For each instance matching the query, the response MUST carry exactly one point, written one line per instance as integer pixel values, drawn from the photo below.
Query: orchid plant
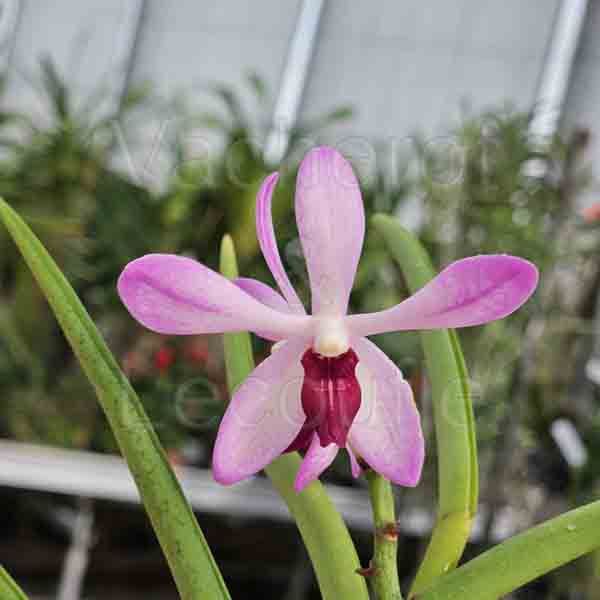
(324, 387)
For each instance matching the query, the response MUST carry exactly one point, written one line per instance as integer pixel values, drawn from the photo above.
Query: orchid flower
(325, 386)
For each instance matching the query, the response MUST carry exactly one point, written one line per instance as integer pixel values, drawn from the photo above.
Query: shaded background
(141, 126)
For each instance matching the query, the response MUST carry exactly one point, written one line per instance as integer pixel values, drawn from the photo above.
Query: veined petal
(177, 295)
(268, 242)
(387, 430)
(331, 223)
(263, 417)
(263, 293)
(316, 460)
(471, 291)
(267, 296)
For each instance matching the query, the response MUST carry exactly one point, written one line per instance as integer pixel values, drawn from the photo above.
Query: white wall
(409, 65)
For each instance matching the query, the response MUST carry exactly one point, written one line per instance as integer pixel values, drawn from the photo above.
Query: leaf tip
(227, 258)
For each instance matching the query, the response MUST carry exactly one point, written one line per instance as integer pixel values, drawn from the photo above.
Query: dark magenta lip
(331, 398)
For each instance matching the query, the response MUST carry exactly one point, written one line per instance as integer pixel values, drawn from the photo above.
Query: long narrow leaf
(9, 590)
(453, 414)
(522, 558)
(194, 570)
(325, 535)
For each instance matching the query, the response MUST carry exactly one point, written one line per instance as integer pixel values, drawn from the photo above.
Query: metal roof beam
(293, 80)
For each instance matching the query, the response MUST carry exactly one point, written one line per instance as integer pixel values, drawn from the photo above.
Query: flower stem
(384, 578)
(323, 531)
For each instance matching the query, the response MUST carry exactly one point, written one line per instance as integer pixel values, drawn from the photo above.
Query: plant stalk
(325, 535)
(384, 577)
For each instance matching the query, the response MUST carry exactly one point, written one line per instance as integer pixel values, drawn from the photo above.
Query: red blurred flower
(591, 213)
(164, 358)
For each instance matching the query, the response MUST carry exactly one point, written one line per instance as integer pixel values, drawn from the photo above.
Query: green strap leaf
(325, 535)
(9, 590)
(522, 558)
(453, 414)
(192, 564)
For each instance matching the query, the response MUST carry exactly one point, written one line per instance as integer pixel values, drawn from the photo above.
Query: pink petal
(263, 293)
(331, 222)
(177, 295)
(471, 291)
(263, 418)
(387, 430)
(267, 296)
(317, 459)
(268, 243)
(354, 466)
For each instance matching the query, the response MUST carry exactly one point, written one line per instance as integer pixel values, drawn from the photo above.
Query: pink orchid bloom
(325, 386)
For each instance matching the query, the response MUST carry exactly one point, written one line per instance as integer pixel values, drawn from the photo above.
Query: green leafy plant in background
(60, 178)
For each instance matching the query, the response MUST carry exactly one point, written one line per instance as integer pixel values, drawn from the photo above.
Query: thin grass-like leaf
(192, 564)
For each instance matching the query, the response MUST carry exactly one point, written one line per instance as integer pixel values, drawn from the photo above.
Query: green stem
(384, 578)
(9, 590)
(323, 531)
(522, 558)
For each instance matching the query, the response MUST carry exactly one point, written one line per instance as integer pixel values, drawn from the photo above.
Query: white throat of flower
(331, 337)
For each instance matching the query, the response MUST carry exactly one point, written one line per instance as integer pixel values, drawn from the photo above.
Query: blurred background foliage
(480, 190)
